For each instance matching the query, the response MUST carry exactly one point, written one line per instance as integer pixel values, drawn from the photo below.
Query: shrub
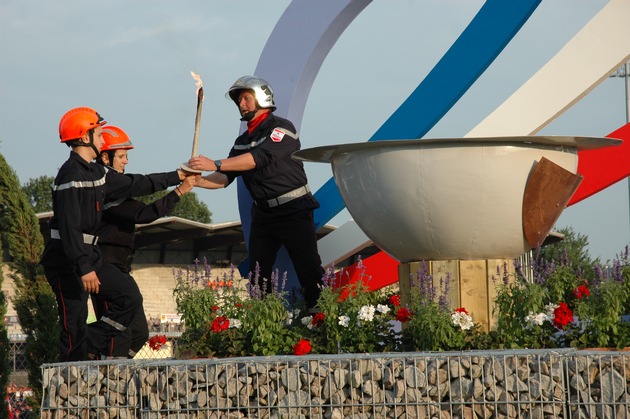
(225, 317)
(564, 308)
(561, 307)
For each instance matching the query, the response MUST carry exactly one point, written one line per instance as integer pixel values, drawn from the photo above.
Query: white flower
(537, 319)
(382, 308)
(366, 313)
(308, 322)
(235, 323)
(463, 320)
(344, 320)
(291, 315)
(549, 308)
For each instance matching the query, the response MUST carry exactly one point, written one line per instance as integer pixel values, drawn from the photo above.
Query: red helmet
(114, 139)
(77, 122)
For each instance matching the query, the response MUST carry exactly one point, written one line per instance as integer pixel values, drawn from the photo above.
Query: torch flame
(198, 81)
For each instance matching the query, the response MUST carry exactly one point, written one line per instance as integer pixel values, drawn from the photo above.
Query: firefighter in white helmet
(282, 213)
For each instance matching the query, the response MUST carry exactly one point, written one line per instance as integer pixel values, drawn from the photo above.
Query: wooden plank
(405, 272)
(440, 269)
(474, 290)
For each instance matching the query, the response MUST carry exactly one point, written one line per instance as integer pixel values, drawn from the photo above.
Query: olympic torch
(199, 85)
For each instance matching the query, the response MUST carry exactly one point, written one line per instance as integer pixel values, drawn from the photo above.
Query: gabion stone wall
(476, 384)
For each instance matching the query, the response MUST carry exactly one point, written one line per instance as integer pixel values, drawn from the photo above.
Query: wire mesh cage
(497, 384)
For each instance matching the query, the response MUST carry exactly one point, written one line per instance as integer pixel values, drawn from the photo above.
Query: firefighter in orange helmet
(116, 240)
(71, 258)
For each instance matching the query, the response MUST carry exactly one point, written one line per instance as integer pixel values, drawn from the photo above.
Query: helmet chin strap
(250, 115)
(91, 144)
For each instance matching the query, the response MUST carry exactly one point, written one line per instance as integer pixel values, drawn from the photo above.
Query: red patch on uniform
(277, 135)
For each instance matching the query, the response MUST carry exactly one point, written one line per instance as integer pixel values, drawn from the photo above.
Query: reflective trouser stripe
(113, 324)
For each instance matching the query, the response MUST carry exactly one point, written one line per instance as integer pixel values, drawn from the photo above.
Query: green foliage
(561, 283)
(601, 312)
(223, 320)
(264, 325)
(431, 329)
(20, 228)
(565, 308)
(36, 306)
(34, 300)
(189, 206)
(351, 319)
(562, 308)
(38, 192)
(195, 299)
(513, 303)
(571, 250)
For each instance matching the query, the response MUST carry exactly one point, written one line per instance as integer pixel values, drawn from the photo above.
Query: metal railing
(17, 350)
(17, 355)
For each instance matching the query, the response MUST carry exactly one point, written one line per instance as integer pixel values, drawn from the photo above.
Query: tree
(573, 248)
(189, 207)
(34, 301)
(38, 192)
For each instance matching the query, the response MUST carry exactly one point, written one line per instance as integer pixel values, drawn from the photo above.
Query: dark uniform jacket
(271, 143)
(116, 236)
(79, 192)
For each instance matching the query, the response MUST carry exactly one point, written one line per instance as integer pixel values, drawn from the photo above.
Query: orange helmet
(77, 122)
(114, 139)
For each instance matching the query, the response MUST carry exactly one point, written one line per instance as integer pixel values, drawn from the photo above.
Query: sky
(131, 61)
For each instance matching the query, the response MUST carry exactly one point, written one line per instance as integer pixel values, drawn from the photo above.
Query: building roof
(173, 229)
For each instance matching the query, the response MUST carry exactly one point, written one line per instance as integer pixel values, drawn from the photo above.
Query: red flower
(302, 347)
(461, 310)
(581, 291)
(157, 341)
(220, 324)
(562, 316)
(215, 308)
(395, 300)
(318, 318)
(403, 315)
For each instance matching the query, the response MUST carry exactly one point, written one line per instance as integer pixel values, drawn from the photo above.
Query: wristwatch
(217, 163)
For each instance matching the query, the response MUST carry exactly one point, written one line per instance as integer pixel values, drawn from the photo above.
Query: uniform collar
(81, 160)
(256, 122)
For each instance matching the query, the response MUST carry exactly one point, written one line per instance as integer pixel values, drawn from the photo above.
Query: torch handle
(197, 122)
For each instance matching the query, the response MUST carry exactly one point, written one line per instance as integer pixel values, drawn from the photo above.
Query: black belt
(284, 198)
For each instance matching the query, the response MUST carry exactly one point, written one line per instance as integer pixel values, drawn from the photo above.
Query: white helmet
(262, 91)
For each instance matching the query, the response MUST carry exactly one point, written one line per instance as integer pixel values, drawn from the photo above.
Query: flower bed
(561, 307)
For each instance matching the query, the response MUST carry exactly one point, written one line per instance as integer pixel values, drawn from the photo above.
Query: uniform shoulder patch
(277, 135)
